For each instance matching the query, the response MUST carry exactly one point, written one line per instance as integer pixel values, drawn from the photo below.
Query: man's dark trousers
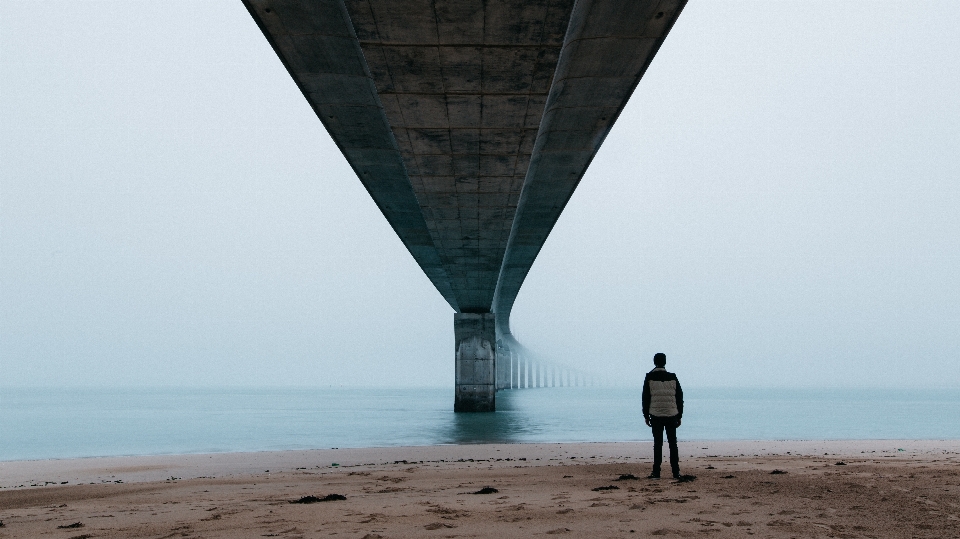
(659, 424)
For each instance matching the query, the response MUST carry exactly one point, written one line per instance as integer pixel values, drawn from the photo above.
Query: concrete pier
(504, 364)
(476, 362)
(524, 373)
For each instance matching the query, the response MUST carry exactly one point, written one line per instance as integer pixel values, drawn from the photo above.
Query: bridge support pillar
(476, 362)
(504, 357)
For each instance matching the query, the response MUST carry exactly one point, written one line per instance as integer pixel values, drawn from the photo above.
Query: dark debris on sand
(487, 490)
(777, 472)
(327, 498)
(686, 478)
(627, 477)
(70, 526)
(608, 487)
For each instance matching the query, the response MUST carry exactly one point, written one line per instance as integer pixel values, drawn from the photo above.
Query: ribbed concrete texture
(476, 362)
(470, 122)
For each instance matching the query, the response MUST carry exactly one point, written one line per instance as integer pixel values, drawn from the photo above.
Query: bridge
(470, 123)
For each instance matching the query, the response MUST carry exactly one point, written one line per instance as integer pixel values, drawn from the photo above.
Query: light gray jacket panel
(663, 398)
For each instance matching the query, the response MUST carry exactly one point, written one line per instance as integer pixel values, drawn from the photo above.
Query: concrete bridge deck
(470, 123)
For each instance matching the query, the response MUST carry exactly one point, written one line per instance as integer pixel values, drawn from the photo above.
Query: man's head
(660, 359)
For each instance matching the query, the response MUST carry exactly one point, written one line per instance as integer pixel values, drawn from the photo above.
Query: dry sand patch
(731, 497)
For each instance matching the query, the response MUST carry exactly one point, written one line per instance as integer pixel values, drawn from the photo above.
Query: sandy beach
(884, 488)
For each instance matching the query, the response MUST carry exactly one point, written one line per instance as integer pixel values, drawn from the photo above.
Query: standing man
(662, 409)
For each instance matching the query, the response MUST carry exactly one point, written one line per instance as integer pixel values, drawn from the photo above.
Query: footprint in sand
(447, 513)
(281, 534)
(438, 525)
(391, 479)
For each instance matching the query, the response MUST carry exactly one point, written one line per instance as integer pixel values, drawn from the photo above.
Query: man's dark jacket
(662, 395)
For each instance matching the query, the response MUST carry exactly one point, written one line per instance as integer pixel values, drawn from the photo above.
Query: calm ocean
(49, 423)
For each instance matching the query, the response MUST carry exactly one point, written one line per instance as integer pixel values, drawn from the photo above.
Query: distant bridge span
(470, 123)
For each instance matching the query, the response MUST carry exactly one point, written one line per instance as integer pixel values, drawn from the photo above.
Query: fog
(776, 206)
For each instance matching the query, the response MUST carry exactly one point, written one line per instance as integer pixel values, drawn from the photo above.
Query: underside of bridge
(470, 123)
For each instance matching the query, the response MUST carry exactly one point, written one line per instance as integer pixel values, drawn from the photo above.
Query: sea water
(66, 423)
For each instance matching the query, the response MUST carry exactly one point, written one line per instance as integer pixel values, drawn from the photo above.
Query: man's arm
(646, 399)
(679, 400)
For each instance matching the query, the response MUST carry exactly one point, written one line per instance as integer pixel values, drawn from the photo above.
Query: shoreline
(148, 468)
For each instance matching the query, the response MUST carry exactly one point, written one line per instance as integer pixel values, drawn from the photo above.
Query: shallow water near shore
(69, 423)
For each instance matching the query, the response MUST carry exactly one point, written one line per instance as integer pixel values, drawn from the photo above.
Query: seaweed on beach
(327, 498)
(487, 490)
(777, 472)
(627, 477)
(608, 487)
(70, 526)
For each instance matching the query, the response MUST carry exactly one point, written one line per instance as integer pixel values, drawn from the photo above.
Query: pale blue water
(39, 424)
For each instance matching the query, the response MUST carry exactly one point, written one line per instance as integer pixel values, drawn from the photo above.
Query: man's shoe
(653, 476)
(676, 475)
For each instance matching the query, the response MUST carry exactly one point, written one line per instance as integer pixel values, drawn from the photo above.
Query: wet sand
(820, 489)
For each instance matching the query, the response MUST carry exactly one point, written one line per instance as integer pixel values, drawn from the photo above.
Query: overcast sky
(778, 205)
